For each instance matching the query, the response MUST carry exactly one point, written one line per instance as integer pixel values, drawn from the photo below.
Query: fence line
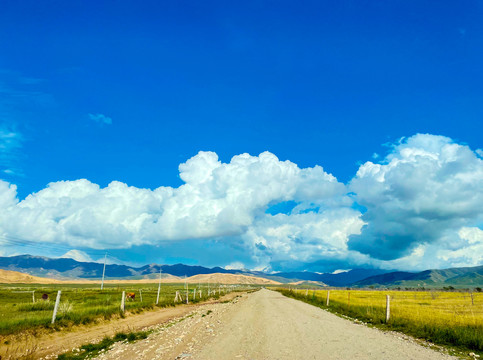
(450, 306)
(440, 317)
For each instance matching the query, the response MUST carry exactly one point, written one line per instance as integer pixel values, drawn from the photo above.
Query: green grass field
(82, 304)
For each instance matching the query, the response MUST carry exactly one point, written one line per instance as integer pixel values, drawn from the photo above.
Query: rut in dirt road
(267, 325)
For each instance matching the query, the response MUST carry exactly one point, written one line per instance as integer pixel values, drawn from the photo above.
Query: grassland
(82, 304)
(445, 318)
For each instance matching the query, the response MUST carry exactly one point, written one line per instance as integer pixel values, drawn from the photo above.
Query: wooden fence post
(57, 301)
(200, 294)
(328, 296)
(123, 301)
(388, 308)
(141, 295)
(33, 296)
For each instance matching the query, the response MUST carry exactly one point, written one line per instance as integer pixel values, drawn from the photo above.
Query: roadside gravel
(267, 325)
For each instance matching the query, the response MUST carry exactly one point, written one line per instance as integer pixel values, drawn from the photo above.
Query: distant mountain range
(66, 268)
(456, 277)
(62, 268)
(340, 279)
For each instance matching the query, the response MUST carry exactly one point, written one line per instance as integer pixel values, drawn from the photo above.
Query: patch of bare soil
(15, 277)
(218, 278)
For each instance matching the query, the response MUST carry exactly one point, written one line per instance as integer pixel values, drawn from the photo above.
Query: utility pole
(159, 285)
(103, 271)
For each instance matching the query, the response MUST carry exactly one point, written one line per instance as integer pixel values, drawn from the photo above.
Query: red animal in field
(130, 296)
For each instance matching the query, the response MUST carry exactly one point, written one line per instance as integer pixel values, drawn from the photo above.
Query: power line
(8, 240)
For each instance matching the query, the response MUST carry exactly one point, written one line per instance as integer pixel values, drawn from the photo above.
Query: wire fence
(26, 307)
(454, 318)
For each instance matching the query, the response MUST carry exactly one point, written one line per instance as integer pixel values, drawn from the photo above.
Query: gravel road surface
(267, 325)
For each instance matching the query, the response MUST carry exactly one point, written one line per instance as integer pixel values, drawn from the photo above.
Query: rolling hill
(218, 278)
(66, 268)
(345, 278)
(456, 277)
(15, 277)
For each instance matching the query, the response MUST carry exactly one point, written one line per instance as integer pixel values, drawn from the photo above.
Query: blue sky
(122, 91)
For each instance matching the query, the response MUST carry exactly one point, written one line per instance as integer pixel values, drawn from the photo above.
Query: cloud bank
(422, 208)
(419, 199)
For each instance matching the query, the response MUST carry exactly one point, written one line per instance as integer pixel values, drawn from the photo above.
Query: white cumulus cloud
(423, 193)
(100, 118)
(11, 142)
(77, 255)
(237, 265)
(218, 199)
(418, 207)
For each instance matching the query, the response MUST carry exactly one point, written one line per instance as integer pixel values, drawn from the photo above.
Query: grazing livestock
(130, 296)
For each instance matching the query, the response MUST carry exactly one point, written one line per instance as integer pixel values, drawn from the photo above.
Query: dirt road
(267, 325)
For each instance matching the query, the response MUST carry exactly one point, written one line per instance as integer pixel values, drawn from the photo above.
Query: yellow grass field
(454, 318)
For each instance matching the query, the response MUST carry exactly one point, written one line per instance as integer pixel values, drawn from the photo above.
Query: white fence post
(328, 296)
(141, 295)
(123, 301)
(388, 308)
(57, 301)
(103, 271)
(159, 287)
